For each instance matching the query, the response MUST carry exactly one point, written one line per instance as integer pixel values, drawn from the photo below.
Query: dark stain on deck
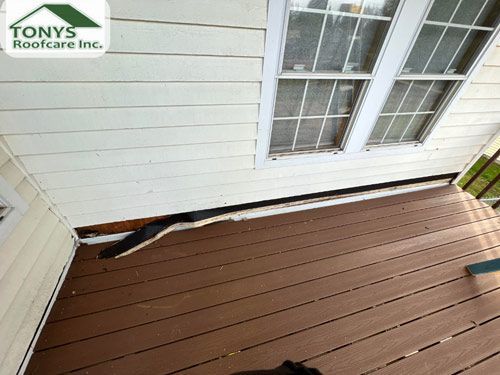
(374, 286)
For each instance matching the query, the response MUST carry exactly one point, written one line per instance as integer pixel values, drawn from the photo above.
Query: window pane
(333, 132)
(336, 41)
(416, 127)
(347, 43)
(366, 45)
(414, 102)
(447, 48)
(442, 10)
(313, 4)
(371, 7)
(378, 132)
(422, 50)
(289, 97)
(282, 136)
(302, 40)
(468, 11)
(489, 15)
(397, 128)
(344, 96)
(308, 134)
(435, 95)
(450, 43)
(317, 97)
(415, 96)
(397, 94)
(467, 51)
(380, 8)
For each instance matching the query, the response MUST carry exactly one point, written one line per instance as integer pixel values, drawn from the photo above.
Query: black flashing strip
(149, 231)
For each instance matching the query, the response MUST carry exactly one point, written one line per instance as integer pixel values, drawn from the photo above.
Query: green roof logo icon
(66, 12)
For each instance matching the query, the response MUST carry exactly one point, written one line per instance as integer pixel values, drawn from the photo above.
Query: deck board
(340, 288)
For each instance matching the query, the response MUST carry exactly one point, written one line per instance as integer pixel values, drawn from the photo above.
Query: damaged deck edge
(133, 241)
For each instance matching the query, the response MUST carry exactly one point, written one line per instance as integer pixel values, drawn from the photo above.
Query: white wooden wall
(167, 121)
(493, 148)
(31, 261)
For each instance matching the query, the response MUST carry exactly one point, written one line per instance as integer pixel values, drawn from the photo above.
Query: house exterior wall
(493, 148)
(166, 122)
(31, 261)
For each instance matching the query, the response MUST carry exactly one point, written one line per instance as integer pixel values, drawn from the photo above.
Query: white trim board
(105, 238)
(293, 207)
(356, 197)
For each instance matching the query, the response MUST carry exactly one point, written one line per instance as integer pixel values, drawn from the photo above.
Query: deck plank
(455, 354)
(339, 287)
(136, 293)
(218, 316)
(235, 337)
(488, 366)
(372, 221)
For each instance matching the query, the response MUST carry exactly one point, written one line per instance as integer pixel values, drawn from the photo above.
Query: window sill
(332, 156)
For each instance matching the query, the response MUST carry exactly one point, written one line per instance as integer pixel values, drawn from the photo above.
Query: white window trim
(397, 46)
(10, 198)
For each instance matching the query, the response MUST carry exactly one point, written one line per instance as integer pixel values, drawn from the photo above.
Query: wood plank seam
(328, 295)
(260, 257)
(408, 294)
(382, 279)
(57, 307)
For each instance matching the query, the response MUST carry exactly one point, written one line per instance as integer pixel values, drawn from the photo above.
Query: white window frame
(16, 206)
(408, 20)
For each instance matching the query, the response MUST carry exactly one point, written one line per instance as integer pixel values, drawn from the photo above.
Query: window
(325, 39)
(12, 209)
(344, 77)
(451, 36)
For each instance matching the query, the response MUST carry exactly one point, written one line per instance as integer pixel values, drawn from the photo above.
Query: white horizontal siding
(147, 37)
(271, 182)
(238, 197)
(28, 122)
(112, 67)
(32, 144)
(139, 172)
(64, 95)
(75, 161)
(167, 121)
(237, 13)
(488, 74)
(138, 187)
(33, 296)
(490, 116)
(31, 261)
(495, 146)
(482, 91)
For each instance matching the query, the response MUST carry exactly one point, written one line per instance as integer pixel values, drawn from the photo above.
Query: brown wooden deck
(374, 286)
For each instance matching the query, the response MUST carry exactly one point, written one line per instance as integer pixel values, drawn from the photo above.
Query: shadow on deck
(373, 286)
